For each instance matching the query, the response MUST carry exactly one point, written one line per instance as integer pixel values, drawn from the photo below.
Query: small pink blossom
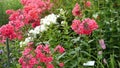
(30, 44)
(76, 10)
(76, 26)
(9, 11)
(60, 49)
(39, 47)
(50, 65)
(89, 25)
(99, 52)
(46, 49)
(20, 60)
(35, 23)
(61, 64)
(104, 61)
(88, 4)
(29, 56)
(49, 59)
(33, 61)
(39, 67)
(102, 44)
(26, 51)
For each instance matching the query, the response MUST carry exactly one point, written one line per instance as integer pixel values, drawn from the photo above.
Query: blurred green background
(5, 5)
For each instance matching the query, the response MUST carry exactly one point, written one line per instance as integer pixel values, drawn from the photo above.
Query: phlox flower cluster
(32, 10)
(85, 26)
(8, 31)
(87, 4)
(76, 10)
(37, 58)
(45, 22)
(30, 14)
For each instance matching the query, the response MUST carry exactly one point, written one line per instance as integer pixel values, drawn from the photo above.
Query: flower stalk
(8, 52)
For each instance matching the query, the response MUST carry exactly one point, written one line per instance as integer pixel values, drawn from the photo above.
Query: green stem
(8, 52)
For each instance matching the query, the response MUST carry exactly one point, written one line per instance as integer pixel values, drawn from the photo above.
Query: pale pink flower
(30, 44)
(29, 56)
(99, 52)
(104, 61)
(102, 44)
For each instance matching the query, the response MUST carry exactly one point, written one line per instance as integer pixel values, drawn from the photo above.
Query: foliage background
(5, 5)
(107, 15)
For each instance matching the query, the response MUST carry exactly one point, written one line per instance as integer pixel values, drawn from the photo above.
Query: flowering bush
(40, 57)
(79, 27)
(45, 22)
(30, 14)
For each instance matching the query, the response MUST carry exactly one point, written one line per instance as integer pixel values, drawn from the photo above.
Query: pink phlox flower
(60, 49)
(33, 61)
(9, 12)
(46, 49)
(85, 27)
(26, 51)
(49, 65)
(61, 64)
(30, 44)
(88, 4)
(39, 67)
(76, 10)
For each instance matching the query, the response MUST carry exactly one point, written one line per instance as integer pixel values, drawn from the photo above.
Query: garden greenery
(61, 34)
